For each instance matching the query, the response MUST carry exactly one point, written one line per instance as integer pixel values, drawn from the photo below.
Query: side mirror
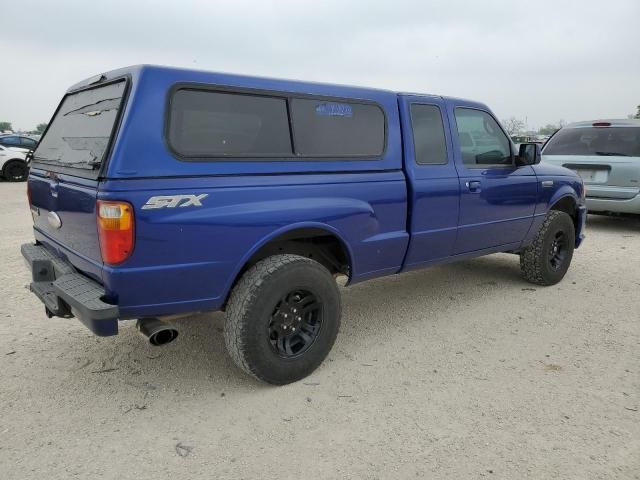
(529, 154)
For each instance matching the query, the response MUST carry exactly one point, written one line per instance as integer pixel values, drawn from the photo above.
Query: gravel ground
(462, 371)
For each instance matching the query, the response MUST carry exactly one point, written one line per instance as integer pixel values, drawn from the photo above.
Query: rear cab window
(595, 141)
(79, 135)
(428, 135)
(210, 124)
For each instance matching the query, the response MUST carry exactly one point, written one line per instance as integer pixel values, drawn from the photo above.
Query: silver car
(606, 154)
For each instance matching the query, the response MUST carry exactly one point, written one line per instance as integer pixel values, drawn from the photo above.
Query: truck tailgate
(64, 218)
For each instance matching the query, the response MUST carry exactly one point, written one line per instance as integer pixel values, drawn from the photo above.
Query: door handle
(473, 186)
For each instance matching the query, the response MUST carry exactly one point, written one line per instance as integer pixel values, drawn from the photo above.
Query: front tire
(547, 259)
(282, 318)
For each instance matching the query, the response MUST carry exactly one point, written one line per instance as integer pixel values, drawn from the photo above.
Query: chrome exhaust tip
(157, 332)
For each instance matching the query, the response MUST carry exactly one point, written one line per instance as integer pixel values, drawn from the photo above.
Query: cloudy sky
(537, 60)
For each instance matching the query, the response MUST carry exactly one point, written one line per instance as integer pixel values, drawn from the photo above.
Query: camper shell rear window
(82, 128)
(210, 124)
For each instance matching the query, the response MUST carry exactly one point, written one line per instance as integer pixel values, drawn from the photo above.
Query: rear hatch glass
(79, 134)
(596, 141)
(607, 158)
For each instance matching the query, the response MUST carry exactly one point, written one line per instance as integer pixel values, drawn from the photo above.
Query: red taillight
(29, 192)
(115, 230)
(601, 124)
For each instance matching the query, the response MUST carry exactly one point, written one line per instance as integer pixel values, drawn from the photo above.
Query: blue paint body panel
(389, 213)
(203, 249)
(434, 194)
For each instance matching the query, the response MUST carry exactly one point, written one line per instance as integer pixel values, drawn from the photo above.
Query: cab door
(432, 180)
(497, 198)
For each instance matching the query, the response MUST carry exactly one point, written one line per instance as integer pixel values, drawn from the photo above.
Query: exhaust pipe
(157, 332)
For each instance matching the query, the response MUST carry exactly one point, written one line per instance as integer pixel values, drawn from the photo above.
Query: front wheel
(547, 259)
(282, 318)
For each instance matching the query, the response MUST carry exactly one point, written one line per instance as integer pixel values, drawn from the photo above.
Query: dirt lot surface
(462, 371)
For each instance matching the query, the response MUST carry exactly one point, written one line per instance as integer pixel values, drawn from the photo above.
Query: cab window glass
(428, 135)
(482, 143)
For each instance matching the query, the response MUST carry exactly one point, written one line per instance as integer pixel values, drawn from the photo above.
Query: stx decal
(173, 201)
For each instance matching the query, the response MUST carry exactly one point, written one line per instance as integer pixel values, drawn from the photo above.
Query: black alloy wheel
(558, 250)
(295, 323)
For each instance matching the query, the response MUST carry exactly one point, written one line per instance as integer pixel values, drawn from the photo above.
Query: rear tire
(282, 318)
(15, 171)
(547, 259)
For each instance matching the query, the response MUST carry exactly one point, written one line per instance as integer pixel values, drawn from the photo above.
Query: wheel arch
(567, 203)
(318, 241)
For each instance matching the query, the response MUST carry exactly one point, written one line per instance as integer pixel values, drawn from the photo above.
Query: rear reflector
(115, 231)
(601, 124)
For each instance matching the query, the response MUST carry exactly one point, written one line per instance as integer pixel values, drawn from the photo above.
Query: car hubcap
(558, 250)
(295, 323)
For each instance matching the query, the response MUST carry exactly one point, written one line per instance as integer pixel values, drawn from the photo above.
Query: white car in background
(606, 154)
(13, 164)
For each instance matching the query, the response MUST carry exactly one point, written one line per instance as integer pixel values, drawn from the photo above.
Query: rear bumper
(631, 205)
(67, 293)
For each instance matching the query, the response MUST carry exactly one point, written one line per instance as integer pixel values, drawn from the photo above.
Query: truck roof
(222, 77)
(205, 76)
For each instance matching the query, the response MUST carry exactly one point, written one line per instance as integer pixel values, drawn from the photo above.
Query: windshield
(603, 141)
(79, 133)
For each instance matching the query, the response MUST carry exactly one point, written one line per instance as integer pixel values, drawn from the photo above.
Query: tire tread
(243, 297)
(532, 257)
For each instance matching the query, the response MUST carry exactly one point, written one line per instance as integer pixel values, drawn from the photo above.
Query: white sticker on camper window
(334, 110)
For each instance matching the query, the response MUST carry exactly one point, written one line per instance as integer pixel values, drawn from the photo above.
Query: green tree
(5, 126)
(40, 128)
(638, 114)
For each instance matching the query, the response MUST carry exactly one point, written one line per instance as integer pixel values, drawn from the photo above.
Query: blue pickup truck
(158, 192)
